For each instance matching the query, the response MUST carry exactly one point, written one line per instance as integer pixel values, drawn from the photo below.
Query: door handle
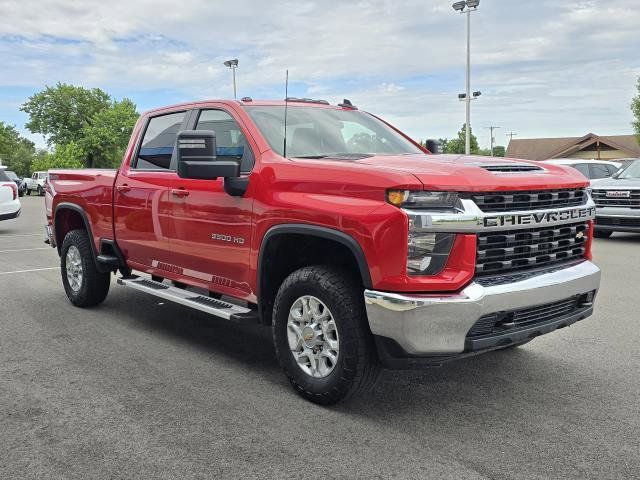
(179, 192)
(123, 188)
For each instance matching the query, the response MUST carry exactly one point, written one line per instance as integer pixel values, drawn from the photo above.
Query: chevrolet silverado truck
(359, 248)
(618, 202)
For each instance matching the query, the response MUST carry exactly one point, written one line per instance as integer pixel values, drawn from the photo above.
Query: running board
(209, 305)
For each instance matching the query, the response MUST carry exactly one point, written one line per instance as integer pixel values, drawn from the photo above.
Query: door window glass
(612, 169)
(230, 141)
(159, 141)
(599, 170)
(583, 168)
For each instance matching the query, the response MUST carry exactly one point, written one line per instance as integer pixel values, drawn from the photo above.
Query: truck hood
(616, 183)
(477, 173)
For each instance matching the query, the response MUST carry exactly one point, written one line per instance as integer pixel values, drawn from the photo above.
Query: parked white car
(9, 201)
(592, 169)
(36, 183)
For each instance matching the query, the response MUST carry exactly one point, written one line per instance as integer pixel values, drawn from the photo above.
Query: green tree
(16, 152)
(457, 145)
(499, 151)
(61, 113)
(635, 108)
(105, 139)
(69, 155)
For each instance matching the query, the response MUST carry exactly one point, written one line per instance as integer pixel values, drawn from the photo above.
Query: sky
(545, 68)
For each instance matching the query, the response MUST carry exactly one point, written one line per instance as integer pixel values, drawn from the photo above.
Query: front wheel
(602, 233)
(83, 283)
(321, 337)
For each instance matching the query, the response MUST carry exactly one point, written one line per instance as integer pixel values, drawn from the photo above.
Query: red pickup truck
(360, 248)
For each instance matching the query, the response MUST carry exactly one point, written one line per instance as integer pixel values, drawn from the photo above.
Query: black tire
(357, 367)
(27, 192)
(40, 191)
(94, 285)
(602, 233)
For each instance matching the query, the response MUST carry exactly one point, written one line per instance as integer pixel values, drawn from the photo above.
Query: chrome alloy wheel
(313, 336)
(74, 268)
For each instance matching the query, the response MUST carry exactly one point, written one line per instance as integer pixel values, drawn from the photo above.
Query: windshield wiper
(339, 156)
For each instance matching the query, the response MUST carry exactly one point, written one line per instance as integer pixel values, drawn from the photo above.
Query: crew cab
(356, 245)
(618, 202)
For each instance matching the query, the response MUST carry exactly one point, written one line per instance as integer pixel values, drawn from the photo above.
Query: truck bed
(89, 189)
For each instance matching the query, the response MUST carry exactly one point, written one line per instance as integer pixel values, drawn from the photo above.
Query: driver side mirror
(196, 154)
(433, 146)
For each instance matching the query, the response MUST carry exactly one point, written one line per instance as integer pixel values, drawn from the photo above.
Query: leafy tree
(95, 127)
(106, 138)
(69, 155)
(635, 108)
(457, 145)
(499, 151)
(61, 113)
(16, 151)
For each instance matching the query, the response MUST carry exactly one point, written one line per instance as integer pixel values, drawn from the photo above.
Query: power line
(511, 135)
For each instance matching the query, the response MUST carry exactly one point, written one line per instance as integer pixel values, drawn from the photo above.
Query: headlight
(423, 200)
(427, 252)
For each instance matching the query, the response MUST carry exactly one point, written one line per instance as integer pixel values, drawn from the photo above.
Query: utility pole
(467, 7)
(493, 139)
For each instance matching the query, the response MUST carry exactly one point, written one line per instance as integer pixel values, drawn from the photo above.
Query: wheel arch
(67, 217)
(344, 246)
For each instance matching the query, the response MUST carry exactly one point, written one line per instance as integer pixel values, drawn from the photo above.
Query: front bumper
(618, 219)
(437, 325)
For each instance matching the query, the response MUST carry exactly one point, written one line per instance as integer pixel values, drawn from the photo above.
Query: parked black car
(22, 186)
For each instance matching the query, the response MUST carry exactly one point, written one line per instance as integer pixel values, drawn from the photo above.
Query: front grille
(529, 200)
(516, 250)
(618, 221)
(501, 322)
(601, 199)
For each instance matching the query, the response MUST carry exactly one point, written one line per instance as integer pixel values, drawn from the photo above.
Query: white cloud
(545, 68)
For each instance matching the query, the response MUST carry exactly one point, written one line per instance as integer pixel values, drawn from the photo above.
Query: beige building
(590, 146)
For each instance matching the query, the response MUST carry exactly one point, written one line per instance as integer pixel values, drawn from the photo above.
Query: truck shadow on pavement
(485, 384)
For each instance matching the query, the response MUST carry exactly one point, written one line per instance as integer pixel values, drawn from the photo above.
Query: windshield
(324, 132)
(632, 171)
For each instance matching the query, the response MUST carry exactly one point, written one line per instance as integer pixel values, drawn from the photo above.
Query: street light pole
(467, 7)
(467, 142)
(233, 64)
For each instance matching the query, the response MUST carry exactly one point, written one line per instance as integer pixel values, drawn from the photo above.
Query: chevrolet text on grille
(539, 218)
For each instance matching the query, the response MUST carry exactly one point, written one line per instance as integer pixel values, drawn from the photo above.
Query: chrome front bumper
(438, 324)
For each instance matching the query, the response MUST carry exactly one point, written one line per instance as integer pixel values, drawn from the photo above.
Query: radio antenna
(286, 104)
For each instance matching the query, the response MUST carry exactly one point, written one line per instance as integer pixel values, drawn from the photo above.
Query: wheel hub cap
(73, 263)
(313, 336)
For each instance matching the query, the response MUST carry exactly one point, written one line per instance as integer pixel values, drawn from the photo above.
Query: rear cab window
(158, 142)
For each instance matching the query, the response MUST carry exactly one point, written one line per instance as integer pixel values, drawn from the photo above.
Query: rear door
(211, 230)
(141, 197)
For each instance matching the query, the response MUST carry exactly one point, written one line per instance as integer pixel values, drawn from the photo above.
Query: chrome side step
(209, 305)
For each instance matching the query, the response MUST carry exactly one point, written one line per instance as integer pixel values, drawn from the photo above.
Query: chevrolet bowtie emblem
(579, 235)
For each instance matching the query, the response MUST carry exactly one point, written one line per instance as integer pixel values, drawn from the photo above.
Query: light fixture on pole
(467, 7)
(233, 64)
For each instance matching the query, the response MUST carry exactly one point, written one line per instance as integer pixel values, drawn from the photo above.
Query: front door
(141, 197)
(211, 230)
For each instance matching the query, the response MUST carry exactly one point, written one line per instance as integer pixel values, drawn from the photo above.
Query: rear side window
(583, 168)
(158, 142)
(230, 141)
(599, 170)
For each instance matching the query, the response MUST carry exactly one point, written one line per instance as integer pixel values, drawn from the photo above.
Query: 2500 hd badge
(540, 218)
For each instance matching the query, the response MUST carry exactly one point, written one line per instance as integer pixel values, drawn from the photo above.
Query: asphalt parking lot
(140, 389)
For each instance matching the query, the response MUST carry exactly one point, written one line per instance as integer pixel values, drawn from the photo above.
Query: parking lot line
(2, 235)
(24, 249)
(30, 270)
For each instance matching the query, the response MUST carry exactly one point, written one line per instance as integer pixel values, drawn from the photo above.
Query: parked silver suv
(618, 201)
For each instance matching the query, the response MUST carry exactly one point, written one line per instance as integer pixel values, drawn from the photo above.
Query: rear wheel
(321, 338)
(84, 285)
(40, 191)
(602, 233)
